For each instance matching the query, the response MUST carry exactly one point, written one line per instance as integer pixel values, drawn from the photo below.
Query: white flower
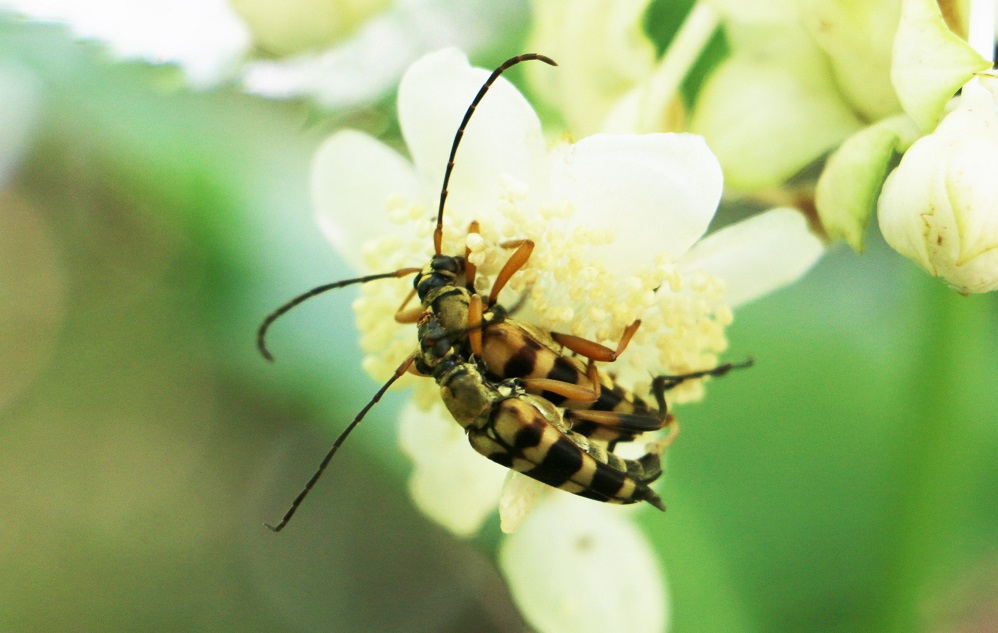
(938, 207)
(617, 221)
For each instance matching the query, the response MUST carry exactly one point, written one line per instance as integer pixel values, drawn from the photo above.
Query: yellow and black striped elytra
(528, 434)
(525, 397)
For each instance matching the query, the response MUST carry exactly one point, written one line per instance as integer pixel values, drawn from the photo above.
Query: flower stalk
(683, 52)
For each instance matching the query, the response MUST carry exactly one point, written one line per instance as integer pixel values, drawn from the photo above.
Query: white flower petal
(333, 77)
(758, 255)
(658, 192)
(578, 566)
(503, 138)
(450, 483)
(858, 38)
(354, 179)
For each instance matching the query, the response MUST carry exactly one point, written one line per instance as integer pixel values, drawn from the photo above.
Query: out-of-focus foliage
(846, 483)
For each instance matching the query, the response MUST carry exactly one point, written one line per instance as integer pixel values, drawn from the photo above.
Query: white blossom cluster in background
(861, 81)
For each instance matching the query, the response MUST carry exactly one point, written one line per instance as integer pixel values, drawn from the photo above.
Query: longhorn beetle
(524, 403)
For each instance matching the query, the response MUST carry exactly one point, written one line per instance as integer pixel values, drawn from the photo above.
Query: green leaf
(850, 183)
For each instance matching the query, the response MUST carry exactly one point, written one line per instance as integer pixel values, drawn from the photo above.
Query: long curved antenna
(404, 367)
(438, 233)
(261, 333)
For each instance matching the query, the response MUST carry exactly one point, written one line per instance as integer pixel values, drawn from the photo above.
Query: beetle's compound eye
(447, 265)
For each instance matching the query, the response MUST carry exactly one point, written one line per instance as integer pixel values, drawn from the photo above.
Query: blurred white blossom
(604, 53)
(203, 37)
(339, 53)
(365, 63)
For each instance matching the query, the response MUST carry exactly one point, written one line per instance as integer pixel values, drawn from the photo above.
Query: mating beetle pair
(530, 400)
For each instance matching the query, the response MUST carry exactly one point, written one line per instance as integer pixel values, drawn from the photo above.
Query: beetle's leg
(513, 264)
(661, 384)
(571, 391)
(594, 351)
(611, 427)
(474, 325)
(410, 315)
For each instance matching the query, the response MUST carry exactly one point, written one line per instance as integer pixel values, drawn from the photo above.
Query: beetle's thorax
(467, 394)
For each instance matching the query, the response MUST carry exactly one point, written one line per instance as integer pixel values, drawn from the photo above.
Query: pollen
(568, 284)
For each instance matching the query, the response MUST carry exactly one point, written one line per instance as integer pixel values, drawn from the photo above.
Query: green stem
(933, 473)
(684, 51)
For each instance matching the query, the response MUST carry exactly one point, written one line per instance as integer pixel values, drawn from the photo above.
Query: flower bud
(938, 207)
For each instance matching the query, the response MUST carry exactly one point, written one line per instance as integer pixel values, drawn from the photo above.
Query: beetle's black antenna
(261, 333)
(438, 233)
(404, 367)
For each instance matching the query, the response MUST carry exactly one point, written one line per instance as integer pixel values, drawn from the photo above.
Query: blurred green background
(846, 483)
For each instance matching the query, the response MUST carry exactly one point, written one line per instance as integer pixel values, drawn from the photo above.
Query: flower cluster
(861, 81)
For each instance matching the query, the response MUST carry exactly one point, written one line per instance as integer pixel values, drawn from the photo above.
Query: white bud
(939, 207)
